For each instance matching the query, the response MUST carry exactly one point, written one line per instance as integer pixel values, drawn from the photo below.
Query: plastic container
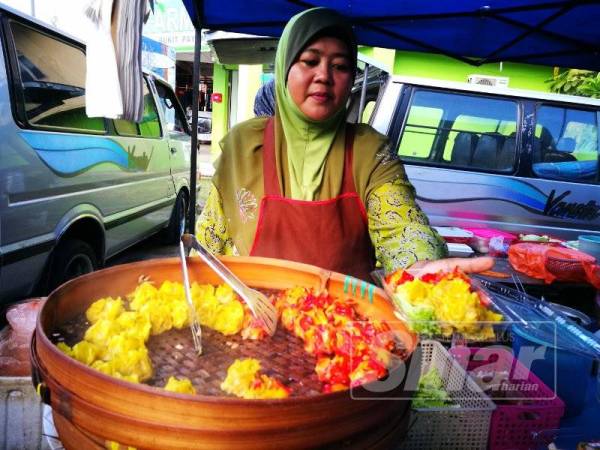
(555, 348)
(524, 404)
(20, 414)
(484, 237)
(561, 369)
(462, 428)
(459, 250)
(455, 235)
(580, 318)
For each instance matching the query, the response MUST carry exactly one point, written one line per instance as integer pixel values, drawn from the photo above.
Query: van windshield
(460, 130)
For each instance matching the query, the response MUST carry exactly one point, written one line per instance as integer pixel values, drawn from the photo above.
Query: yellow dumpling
(229, 318)
(170, 291)
(64, 348)
(183, 386)
(201, 293)
(225, 294)
(121, 344)
(417, 292)
(207, 311)
(100, 332)
(105, 308)
(180, 314)
(240, 376)
(143, 294)
(85, 352)
(159, 315)
(244, 380)
(133, 362)
(134, 325)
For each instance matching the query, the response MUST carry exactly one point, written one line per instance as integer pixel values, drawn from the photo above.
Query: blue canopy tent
(553, 33)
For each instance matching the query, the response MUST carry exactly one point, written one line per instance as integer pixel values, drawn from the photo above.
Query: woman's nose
(323, 73)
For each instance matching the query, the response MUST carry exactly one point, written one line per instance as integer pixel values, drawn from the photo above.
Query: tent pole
(194, 157)
(363, 94)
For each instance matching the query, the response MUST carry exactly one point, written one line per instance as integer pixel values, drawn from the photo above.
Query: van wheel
(72, 258)
(176, 225)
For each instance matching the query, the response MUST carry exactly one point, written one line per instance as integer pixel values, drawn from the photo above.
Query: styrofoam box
(20, 415)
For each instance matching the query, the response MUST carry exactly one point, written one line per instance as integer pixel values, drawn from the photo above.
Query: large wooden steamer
(90, 407)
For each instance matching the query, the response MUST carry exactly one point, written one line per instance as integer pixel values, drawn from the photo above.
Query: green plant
(576, 82)
(591, 87)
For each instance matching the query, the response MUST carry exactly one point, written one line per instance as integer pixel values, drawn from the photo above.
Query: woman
(264, 101)
(304, 185)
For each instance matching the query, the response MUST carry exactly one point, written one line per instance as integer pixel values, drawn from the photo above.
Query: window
(171, 110)
(460, 130)
(52, 81)
(566, 144)
(149, 126)
(420, 131)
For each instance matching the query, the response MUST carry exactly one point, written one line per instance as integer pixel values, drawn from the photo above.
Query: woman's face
(319, 81)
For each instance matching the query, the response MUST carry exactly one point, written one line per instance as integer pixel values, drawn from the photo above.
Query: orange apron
(332, 234)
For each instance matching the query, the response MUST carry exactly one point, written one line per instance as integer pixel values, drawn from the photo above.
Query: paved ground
(150, 248)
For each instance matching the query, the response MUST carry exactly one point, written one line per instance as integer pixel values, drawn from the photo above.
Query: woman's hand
(467, 265)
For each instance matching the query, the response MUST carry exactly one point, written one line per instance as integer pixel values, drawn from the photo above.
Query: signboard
(171, 25)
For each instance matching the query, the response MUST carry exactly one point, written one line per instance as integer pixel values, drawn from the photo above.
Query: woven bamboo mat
(172, 353)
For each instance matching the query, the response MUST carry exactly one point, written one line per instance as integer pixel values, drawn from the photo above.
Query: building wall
(220, 111)
(521, 76)
(249, 82)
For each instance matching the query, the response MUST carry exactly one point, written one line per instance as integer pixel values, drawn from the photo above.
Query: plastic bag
(15, 338)
(551, 263)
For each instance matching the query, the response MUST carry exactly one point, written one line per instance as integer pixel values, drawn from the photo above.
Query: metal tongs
(260, 306)
(194, 324)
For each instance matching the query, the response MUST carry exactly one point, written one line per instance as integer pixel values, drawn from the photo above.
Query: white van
(480, 156)
(76, 190)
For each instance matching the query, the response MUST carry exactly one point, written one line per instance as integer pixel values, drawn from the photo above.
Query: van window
(464, 131)
(52, 81)
(149, 126)
(170, 108)
(566, 144)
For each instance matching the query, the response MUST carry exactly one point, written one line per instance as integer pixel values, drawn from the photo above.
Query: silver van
(480, 156)
(74, 190)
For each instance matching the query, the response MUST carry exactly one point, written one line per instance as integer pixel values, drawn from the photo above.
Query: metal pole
(363, 94)
(194, 159)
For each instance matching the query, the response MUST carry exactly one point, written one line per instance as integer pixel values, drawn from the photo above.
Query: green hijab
(307, 142)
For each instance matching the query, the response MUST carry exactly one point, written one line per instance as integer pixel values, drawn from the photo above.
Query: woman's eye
(310, 62)
(342, 67)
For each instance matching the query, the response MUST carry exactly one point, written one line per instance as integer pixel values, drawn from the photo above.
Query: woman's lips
(320, 97)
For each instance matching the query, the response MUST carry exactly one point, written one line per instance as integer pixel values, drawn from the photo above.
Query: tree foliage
(576, 82)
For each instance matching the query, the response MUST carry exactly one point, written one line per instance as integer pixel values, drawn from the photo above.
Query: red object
(554, 263)
(216, 97)
(332, 234)
(15, 338)
(513, 421)
(398, 277)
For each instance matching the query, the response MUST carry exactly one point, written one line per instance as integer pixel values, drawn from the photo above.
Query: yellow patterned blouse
(398, 228)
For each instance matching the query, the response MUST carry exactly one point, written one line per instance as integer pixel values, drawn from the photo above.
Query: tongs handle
(190, 241)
